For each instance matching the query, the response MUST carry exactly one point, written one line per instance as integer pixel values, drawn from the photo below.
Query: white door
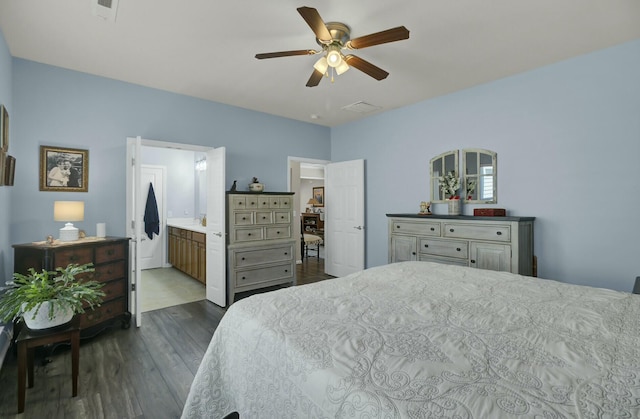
(216, 234)
(152, 250)
(134, 223)
(344, 217)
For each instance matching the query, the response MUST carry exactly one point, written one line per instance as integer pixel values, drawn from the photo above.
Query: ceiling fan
(333, 37)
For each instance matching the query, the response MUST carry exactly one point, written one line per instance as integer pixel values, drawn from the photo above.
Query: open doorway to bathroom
(178, 178)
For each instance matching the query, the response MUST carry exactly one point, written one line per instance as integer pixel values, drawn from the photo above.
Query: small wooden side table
(29, 339)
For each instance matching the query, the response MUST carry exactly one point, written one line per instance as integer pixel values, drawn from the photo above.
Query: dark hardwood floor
(126, 373)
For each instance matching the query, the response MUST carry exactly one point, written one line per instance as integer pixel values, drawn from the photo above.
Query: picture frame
(318, 194)
(4, 129)
(9, 170)
(64, 169)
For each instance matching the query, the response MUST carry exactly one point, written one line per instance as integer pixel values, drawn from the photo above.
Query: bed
(422, 340)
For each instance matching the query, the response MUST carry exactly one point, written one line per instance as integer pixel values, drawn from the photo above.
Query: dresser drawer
(278, 232)
(286, 202)
(281, 217)
(442, 259)
(109, 253)
(264, 217)
(501, 233)
(113, 290)
(420, 229)
(62, 258)
(242, 218)
(240, 202)
(268, 255)
(108, 272)
(271, 273)
(248, 234)
(106, 311)
(449, 248)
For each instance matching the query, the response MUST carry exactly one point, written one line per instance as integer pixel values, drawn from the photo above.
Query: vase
(61, 315)
(454, 206)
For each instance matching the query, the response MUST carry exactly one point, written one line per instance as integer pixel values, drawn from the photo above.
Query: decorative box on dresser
(110, 258)
(495, 243)
(260, 243)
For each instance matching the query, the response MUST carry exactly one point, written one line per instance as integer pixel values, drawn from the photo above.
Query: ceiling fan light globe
(342, 67)
(334, 57)
(321, 65)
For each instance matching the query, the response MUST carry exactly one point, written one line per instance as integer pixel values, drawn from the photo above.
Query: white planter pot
(61, 315)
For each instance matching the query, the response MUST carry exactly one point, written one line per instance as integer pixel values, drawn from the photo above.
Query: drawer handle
(275, 202)
(277, 232)
(248, 234)
(458, 249)
(242, 259)
(282, 217)
(499, 233)
(264, 218)
(244, 218)
(426, 245)
(433, 229)
(397, 226)
(451, 230)
(413, 253)
(286, 253)
(264, 203)
(286, 270)
(244, 277)
(473, 261)
(239, 203)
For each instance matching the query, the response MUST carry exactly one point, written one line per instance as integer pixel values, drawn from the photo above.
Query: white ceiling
(206, 48)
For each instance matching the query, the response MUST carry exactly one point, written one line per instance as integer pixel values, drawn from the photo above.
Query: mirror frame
(435, 180)
(467, 177)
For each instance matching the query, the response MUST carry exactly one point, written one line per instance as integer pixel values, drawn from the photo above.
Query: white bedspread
(422, 340)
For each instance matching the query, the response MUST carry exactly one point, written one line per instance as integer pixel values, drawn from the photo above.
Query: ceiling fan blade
(315, 22)
(286, 53)
(366, 67)
(390, 35)
(315, 78)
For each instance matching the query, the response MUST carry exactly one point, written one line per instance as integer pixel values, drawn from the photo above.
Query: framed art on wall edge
(318, 194)
(64, 169)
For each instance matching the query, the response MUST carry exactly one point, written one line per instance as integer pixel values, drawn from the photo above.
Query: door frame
(295, 187)
(129, 226)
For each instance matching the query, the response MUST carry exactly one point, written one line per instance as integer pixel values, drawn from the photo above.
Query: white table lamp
(68, 211)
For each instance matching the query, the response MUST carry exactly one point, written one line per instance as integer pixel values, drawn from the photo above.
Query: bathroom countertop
(187, 224)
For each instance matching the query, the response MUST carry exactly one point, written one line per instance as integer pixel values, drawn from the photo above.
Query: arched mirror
(480, 179)
(440, 165)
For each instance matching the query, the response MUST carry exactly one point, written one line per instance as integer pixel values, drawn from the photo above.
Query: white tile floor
(166, 287)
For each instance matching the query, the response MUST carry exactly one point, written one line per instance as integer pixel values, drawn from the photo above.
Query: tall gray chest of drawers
(260, 242)
(494, 243)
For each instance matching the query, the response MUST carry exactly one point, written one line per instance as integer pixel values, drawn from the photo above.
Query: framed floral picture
(64, 169)
(318, 194)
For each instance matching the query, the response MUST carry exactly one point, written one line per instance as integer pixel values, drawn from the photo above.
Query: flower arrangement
(449, 184)
(471, 186)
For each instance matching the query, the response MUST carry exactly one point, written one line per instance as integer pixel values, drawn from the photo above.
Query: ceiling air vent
(105, 9)
(361, 107)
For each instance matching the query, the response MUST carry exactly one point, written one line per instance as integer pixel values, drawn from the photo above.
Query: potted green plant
(49, 298)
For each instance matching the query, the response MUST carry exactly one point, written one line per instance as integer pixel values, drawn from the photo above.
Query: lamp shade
(313, 201)
(68, 210)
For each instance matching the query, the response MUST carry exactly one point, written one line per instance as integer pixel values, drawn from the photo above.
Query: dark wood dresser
(110, 258)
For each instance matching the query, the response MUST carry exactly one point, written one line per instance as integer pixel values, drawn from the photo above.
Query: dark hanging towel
(151, 218)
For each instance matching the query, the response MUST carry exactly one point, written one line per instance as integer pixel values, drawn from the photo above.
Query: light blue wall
(57, 107)
(6, 256)
(181, 179)
(568, 144)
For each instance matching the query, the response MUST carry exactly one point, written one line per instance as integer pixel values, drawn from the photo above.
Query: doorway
(138, 150)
